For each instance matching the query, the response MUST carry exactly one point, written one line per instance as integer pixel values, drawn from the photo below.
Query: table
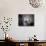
(27, 43)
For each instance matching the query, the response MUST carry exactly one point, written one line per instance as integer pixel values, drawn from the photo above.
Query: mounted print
(26, 19)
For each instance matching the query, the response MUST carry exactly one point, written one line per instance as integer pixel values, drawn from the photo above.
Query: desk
(31, 43)
(28, 43)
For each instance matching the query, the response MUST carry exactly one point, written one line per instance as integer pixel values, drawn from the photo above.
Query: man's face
(27, 20)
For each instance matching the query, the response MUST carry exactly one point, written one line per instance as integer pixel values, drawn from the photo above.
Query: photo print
(26, 19)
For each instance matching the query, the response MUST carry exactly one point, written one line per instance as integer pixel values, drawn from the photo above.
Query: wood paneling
(25, 44)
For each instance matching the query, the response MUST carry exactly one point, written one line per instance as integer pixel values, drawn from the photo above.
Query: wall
(11, 8)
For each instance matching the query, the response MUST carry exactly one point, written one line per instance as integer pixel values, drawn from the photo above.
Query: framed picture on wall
(26, 19)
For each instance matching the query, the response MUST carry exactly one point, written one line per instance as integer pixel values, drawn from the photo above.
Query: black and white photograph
(26, 19)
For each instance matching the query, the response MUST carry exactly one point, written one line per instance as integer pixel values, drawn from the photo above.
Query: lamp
(36, 3)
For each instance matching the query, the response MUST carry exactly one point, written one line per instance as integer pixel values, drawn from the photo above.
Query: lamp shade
(36, 3)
